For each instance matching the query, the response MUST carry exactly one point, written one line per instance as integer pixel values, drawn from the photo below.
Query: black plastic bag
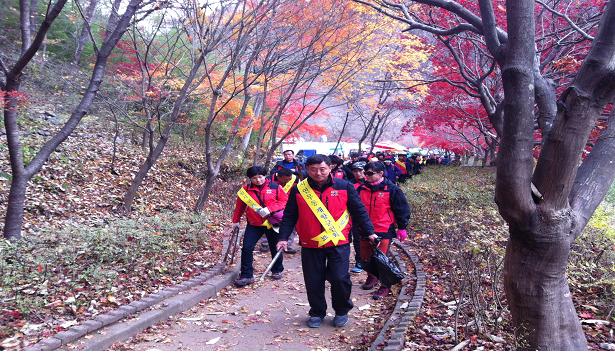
(384, 269)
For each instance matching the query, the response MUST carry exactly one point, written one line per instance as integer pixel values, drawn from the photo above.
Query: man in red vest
(387, 208)
(322, 210)
(402, 163)
(261, 200)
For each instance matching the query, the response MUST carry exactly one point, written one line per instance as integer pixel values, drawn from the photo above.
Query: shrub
(76, 257)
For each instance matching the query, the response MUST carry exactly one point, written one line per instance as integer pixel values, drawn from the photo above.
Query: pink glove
(402, 235)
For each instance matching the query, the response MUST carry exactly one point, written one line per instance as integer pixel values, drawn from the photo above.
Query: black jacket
(348, 170)
(358, 213)
(296, 166)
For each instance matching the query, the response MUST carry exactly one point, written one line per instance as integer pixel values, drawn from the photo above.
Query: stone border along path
(406, 308)
(178, 298)
(207, 285)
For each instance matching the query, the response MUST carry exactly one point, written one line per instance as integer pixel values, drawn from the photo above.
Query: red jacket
(386, 206)
(404, 169)
(269, 194)
(338, 174)
(337, 196)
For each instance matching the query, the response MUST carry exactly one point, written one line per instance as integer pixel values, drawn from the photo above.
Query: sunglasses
(370, 173)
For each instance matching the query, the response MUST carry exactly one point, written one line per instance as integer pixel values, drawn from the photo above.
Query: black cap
(360, 165)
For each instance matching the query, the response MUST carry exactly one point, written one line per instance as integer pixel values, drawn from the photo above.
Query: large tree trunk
(537, 289)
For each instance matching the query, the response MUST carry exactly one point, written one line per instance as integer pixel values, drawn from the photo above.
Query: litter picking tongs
(276, 257)
(231, 249)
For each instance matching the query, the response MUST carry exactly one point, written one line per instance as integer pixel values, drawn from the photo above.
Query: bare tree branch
(565, 17)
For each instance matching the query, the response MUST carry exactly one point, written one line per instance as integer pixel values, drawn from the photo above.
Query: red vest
(378, 205)
(308, 226)
(271, 195)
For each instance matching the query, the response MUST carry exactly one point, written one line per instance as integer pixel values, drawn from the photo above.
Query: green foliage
(9, 20)
(29, 153)
(61, 37)
(459, 185)
(96, 255)
(62, 34)
(610, 196)
(592, 258)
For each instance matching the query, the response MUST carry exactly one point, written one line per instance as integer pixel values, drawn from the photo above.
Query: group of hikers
(329, 205)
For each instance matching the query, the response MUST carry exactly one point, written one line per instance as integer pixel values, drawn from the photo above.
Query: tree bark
(258, 106)
(339, 138)
(84, 36)
(15, 206)
(138, 179)
(537, 288)
(24, 24)
(33, 15)
(595, 176)
(210, 179)
(485, 159)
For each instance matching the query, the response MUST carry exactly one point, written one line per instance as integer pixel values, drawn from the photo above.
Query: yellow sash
(403, 165)
(333, 229)
(290, 184)
(248, 200)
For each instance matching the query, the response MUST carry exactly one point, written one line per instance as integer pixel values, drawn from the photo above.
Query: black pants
(331, 264)
(250, 238)
(402, 178)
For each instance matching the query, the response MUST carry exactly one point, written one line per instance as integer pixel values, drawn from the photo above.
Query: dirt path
(266, 316)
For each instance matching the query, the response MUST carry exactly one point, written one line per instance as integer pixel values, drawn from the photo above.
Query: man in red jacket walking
(263, 201)
(322, 210)
(387, 208)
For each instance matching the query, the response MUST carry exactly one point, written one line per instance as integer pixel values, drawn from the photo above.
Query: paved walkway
(266, 316)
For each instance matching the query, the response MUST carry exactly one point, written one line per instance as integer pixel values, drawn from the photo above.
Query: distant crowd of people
(398, 167)
(327, 204)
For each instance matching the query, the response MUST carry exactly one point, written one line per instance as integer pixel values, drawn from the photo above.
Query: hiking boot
(263, 247)
(244, 281)
(314, 322)
(290, 250)
(276, 275)
(357, 269)
(370, 282)
(340, 321)
(382, 292)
